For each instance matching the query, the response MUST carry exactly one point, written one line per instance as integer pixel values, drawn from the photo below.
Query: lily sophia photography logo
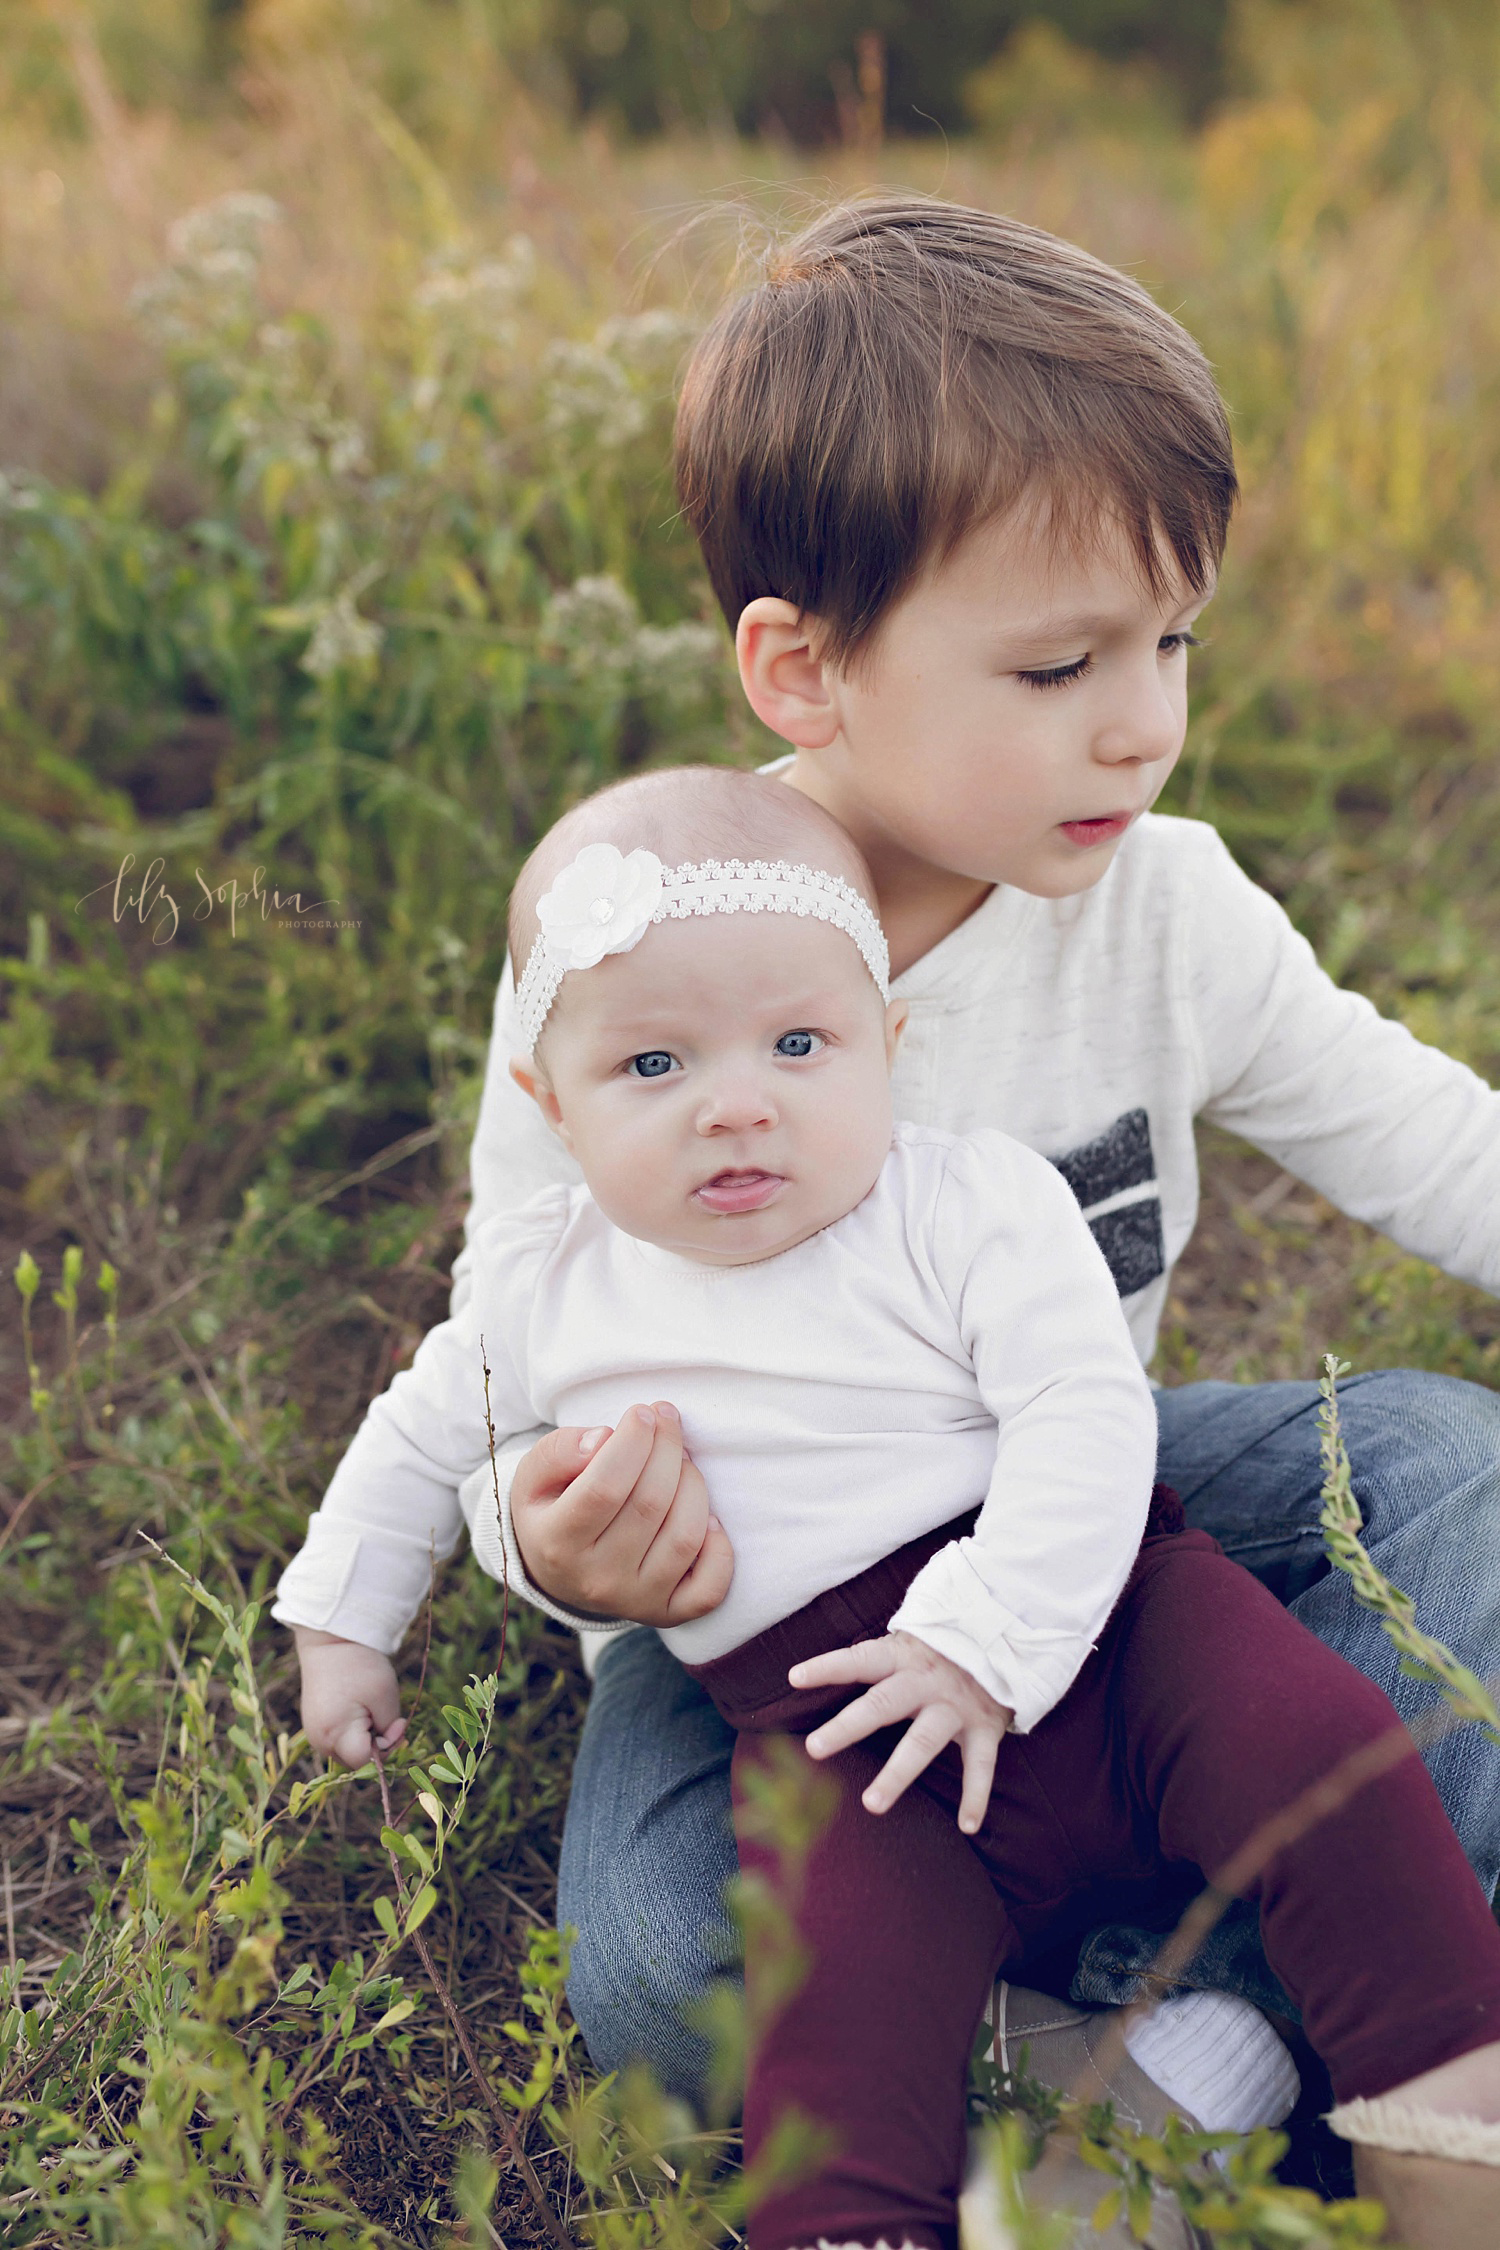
(145, 897)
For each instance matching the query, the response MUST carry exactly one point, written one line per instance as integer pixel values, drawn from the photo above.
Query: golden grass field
(296, 499)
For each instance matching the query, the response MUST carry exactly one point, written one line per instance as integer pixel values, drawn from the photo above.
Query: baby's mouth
(729, 1192)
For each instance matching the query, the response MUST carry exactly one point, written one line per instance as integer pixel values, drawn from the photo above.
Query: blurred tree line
(834, 69)
(805, 70)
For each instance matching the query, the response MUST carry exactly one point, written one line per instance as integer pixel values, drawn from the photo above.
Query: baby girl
(871, 1390)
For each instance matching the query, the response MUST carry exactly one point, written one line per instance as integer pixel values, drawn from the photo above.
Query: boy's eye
(1059, 675)
(797, 1044)
(1170, 643)
(654, 1063)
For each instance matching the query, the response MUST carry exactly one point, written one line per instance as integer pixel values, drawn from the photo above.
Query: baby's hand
(617, 1522)
(349, 1693)
(944, 1703)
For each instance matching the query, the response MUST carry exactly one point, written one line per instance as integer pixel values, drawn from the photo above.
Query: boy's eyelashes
(1059, 675)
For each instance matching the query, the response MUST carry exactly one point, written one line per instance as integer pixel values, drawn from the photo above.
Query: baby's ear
(896, 1015)
(534, 1081)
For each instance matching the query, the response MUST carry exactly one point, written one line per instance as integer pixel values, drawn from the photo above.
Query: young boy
(901, 1369)
(962, 492)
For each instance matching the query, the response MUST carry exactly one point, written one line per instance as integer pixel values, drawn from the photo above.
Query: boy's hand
(349, 1696)
(617, 1522)
(912, 1682)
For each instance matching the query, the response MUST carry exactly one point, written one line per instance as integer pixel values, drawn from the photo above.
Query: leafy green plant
(1224, 2183)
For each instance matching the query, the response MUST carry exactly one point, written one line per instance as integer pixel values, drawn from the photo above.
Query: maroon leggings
(1204, 1711)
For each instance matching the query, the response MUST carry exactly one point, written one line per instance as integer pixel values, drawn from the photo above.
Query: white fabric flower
(602, 903)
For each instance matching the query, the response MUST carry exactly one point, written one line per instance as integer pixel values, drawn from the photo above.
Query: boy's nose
(1144, 727)
(737, 1105)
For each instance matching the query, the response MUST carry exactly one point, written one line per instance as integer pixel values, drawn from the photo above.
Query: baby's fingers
(886, 1704)
(981, 1749)
(930, 1731)
(838, 1667)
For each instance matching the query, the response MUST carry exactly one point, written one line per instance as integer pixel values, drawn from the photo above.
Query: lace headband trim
(605, 901)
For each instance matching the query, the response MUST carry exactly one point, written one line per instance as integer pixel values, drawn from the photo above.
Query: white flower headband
(604, 902)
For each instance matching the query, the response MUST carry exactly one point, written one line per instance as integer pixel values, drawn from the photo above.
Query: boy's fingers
(707, 1579)
(930, 1731)
(627, 1540)
(552, 1464)
(680, 1535)
(864, 1660)
(600, 1490)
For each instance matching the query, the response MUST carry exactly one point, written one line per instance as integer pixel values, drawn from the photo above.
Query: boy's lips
(1097, 831)
(739, 1191)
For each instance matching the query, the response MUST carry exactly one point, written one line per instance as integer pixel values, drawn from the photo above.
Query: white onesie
(955, 1339)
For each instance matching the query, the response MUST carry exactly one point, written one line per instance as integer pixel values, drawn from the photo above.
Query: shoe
(1438, 2176)
(1073, 2050)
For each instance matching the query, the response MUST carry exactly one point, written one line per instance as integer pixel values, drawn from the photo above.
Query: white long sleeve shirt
(1094, 1029)
(954, 1341)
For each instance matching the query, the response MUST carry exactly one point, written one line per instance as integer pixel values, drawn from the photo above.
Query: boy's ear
(896, 1015)
(535, 1082)
(782, 675)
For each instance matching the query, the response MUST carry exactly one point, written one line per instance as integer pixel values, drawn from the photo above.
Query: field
(336, 541)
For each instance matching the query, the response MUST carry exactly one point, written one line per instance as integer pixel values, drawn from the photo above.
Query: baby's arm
(995, 1628)
(1020, 1602)
(391, 1511)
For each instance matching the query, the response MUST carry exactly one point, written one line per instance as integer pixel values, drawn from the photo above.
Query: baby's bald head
(688, 813)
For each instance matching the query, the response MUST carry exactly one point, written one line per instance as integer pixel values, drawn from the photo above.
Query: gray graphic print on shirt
(1114, 1179)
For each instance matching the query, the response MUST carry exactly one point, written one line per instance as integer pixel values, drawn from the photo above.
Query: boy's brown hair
(906, 371)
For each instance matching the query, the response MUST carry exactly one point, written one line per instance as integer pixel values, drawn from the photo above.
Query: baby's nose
(737, 1105)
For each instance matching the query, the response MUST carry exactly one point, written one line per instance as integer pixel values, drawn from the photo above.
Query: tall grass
(336, 542)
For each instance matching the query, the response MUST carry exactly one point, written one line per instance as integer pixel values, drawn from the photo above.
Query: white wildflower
(589, 392)
(230, 223)
(16, 496)
(650, 341)
(677, 662)
(341, 637)
(348, 454)
(479, 296)
(594, 621)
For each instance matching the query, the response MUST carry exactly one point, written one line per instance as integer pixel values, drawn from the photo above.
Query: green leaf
(385, 1915)
(421, 1906)
(398, 2014)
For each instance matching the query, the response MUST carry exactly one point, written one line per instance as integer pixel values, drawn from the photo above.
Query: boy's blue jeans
(648, 1849)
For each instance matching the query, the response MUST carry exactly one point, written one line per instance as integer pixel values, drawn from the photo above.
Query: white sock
(1218, 2057)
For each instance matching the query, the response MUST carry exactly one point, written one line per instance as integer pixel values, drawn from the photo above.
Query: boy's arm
(1394, 1132)
(1020, 1602)
(391, 1512)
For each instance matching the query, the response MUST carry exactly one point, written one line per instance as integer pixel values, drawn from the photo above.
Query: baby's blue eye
(797, 1044)
(655, 1063)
